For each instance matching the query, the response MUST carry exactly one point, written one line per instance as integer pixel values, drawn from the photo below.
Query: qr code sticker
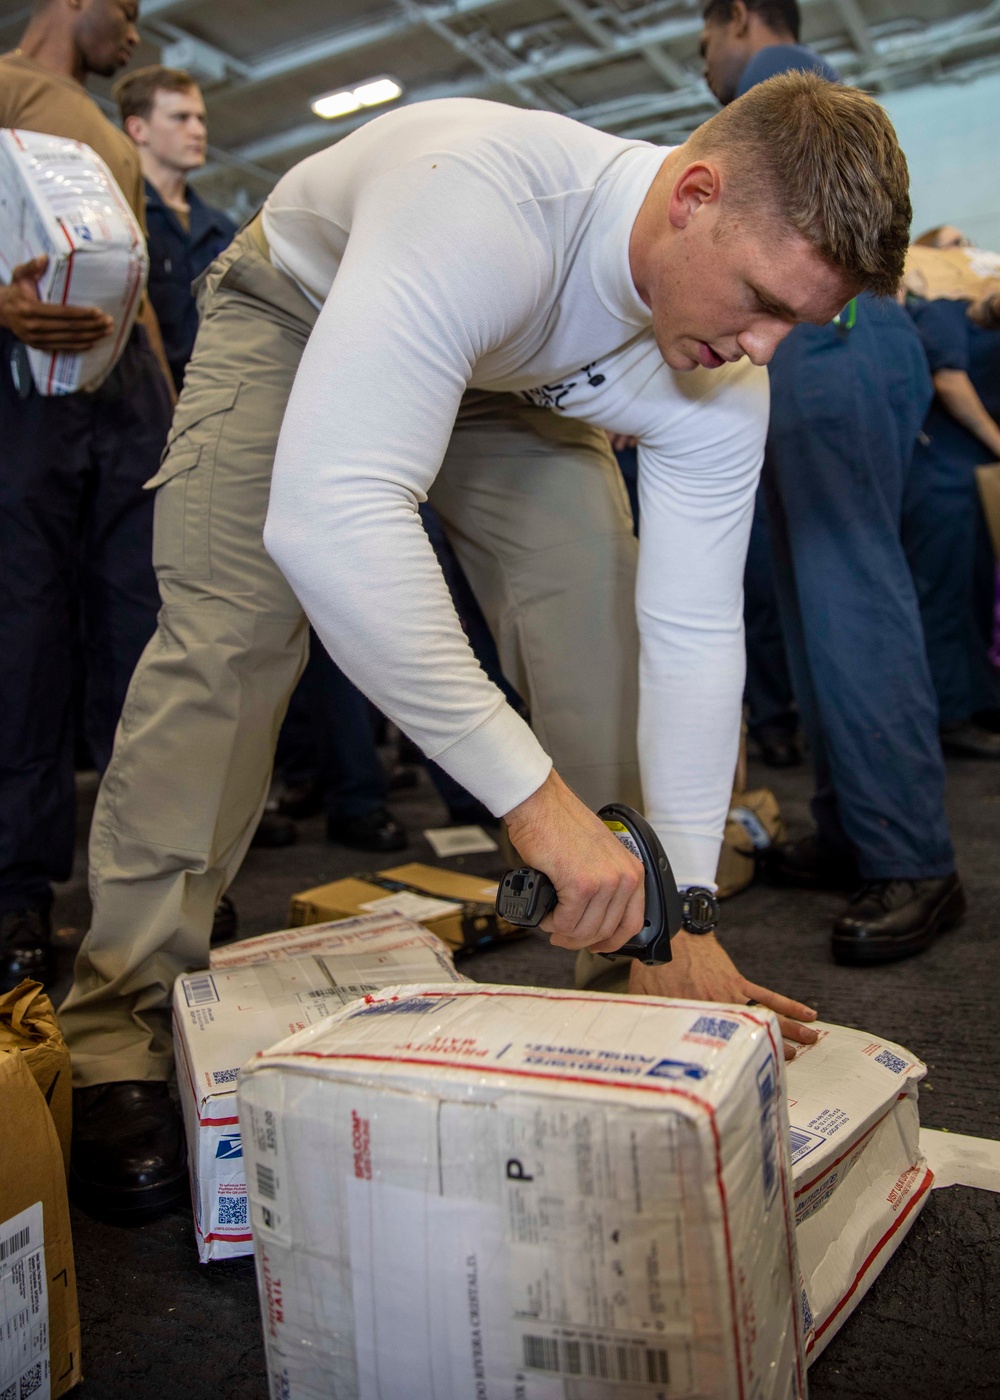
(31, 1381)
(232, 1210)
(891, 1061)
(10, 1393)
(716, 1027)
(225, 1076)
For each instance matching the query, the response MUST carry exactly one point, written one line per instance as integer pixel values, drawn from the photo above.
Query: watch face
(701, 911)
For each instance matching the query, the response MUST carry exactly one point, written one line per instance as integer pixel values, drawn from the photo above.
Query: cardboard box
(57, 197)
(860, 1178)
(504, 1192)
(384, 935)
(39, 1321)
(458, 908)
(28, 1025)
(225, 1015)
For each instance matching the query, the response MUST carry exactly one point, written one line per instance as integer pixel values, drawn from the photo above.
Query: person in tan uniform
(76, 525)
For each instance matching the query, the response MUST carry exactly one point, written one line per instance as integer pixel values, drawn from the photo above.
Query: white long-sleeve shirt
(458, 244)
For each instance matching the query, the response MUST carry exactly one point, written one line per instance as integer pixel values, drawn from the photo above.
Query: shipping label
(24, 1308)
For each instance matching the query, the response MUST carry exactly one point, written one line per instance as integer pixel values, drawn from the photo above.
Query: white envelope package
(502, 1193)
(223, 1016)
(860, 1179)
(58, 198)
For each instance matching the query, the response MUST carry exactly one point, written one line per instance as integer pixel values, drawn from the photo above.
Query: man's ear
(739, 19)
(699, 184)
(138, 129)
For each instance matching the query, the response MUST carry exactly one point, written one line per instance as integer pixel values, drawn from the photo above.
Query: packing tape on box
(957, 1160)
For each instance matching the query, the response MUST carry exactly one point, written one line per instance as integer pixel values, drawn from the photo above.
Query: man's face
(106, 34)
(725, 290)
(726, 54)
(175, 133)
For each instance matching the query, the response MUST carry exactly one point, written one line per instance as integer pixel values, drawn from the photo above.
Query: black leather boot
(26, 948)
(225, 923)
(811, 864)
(375, 831)
(274, 832)
(891, 919)
(128, 1162)
(778, 747)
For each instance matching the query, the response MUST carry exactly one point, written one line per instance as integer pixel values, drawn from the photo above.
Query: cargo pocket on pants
(182, 519)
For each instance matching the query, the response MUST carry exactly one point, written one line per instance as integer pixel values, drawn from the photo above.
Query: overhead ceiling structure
(627, 66)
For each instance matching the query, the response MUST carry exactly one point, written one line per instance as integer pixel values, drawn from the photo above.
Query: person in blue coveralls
(847, 404)
(946, 536)
(163, 112)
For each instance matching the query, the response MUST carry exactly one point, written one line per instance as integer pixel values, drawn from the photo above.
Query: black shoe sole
(850, 952)
(135, 1207)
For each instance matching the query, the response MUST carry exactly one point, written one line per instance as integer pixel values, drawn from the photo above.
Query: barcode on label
(265, 1182)
(14, 1242)
(343, 994)
(199, 990)
(31, 1380)
(597, 1360)
(803, 1142)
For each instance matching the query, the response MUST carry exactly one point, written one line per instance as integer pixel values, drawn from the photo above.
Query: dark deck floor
(158, 1325)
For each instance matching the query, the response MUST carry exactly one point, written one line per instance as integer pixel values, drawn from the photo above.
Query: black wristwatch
(700, 910)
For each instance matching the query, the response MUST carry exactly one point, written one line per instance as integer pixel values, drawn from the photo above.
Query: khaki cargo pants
(539, 518)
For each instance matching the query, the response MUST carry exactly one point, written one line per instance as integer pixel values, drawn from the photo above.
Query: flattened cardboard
(473, 924)
(31, 1171)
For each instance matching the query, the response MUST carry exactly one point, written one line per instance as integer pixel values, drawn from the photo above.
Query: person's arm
(696, 491)
(57, 329)
(958, 395)
(437, 272)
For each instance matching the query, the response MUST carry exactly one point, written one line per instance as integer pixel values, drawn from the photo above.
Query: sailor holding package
(465, 1191)
(58, 198)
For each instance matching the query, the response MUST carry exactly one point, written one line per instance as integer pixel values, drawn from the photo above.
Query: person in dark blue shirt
(163, 112)
(946, 536)
(847, 403)
(745, 42)
(744, 45)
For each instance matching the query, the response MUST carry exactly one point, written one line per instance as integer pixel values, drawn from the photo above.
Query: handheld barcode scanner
(525, 896)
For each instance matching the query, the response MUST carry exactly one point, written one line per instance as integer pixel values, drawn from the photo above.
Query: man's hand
(986, 312)
(57, 329)
(703, 971)
(598, 882)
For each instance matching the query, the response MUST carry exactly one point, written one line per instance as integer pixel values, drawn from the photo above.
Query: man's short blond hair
(826, 159)
(136, 92)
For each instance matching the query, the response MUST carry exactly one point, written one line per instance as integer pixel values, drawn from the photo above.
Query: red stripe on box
(921, 1191)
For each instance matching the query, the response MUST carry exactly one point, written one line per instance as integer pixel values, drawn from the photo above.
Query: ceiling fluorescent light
(378, 90)
(336, 104)
(370, 94)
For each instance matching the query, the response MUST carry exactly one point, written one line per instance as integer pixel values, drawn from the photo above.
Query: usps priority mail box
(860, 1179)
(512, 1193)
(58, 197)
(226, 1014)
